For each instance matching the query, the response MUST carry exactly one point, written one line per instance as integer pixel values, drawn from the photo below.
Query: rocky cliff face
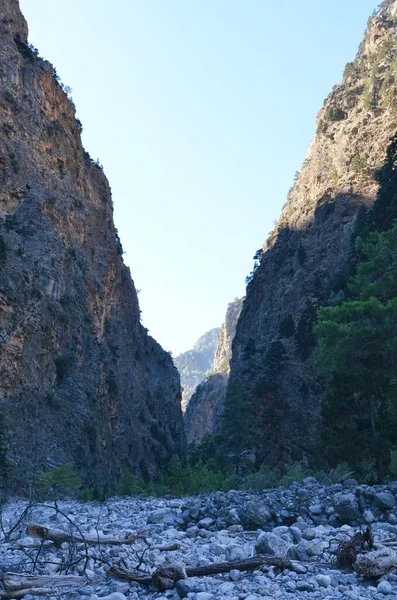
(205, 406)
(80, 380)
(194, 365)
(310, 250)
(224, 347)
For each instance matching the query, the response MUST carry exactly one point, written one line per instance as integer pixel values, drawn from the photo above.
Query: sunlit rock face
(310, 249)
(195, 364)
(203, 412)
(80, 379)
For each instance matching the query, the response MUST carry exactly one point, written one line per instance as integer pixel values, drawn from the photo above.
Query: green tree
(58, 483)
(357, 344)
(304, 334)
(384, 211)
(237, 422)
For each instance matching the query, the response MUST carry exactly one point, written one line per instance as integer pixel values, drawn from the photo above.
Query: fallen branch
(14, 582)
(348, 551)
(32, 591)
(58, 537)
(166, 578)
(165, 548)
(376, 564)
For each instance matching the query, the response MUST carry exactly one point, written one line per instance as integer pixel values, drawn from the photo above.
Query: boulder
(385, 500)
(187, 586)
(268, 543)
(254, 515)
(346, 508)
(161, 516)
(235, 552)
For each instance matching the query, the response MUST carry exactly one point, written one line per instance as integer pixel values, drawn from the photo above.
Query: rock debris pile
(303, 525)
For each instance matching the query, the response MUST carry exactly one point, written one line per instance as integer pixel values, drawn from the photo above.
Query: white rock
(384, 588)
(323, 580)
(114, 596)
(235, 552)
(204, 596)
(226, 587)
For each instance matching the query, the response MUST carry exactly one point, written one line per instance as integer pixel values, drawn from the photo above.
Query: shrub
(304, 335)
(86, 495)
(79, 126)
(301, 254)
(58, 482)
(349, 70)
(52, 400)
(336, 113)
(262, 480)
(393, 463)
(358, 163)
(111, 382)
(62, 362)
(10, 97)
(322, 127)
(127, 485)
(14, 162)
(287, 327)
(3, 250)
(11, 222)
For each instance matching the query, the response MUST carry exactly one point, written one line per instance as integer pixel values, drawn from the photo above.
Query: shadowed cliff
(310, 252)
(80, 379)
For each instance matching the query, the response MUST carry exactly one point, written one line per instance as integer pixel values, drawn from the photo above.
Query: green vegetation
(358, 163)
(3, 251)
(10, 97)
(62, 362)
(357, 345)
(286, 328)
(335, 113)
(11, 222)
(301, 254)
(208, 477)
(4, 466)
(380, 83)
(52, 400)
(14, 162)
(304, 335)
(57, 483)
(349, 70)
(238, 424)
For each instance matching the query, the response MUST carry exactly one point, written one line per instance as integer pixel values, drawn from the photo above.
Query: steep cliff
(205, 406)
(194, 365)
(223, 352)
(80, 379)
(310, 251)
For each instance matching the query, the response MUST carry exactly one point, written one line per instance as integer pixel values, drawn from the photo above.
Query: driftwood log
(57, 536)
(32, 591)
(20, 581)
(376, 564)
(166, 578)
(349, 550)
(17, 585)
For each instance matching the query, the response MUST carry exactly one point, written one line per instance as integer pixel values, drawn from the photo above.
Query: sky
(201, 112)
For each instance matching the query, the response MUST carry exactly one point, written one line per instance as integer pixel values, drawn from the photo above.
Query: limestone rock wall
(311, 247)
(205, 406)
(80, 379)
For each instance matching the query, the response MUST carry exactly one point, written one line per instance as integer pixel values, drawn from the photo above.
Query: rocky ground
(305, 522)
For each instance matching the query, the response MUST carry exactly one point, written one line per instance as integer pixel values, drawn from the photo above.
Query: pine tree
(237, 424)
(356, 350)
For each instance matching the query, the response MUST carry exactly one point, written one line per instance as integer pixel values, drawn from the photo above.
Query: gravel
(295, 522)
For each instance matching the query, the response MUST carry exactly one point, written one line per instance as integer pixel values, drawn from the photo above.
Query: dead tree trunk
(166, 578)
(57, 536)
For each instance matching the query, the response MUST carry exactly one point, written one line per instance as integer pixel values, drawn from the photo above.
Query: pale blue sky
(200, 111)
